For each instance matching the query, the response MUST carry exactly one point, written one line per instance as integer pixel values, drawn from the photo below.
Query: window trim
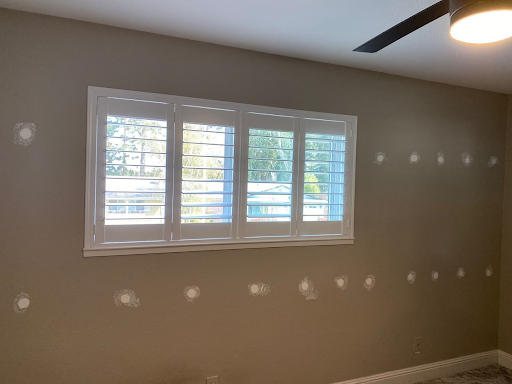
(165, 246)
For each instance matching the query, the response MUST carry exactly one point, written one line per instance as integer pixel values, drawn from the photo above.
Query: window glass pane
(324, 177)
(207, 174)
(122, 128)
(135, 171)
(211, 162)
(130, 184)
(270, 173)
(135, 158)
(134, 198)
(136, 145)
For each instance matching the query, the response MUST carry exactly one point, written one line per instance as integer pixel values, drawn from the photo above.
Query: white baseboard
(433, 370)
(505, 359)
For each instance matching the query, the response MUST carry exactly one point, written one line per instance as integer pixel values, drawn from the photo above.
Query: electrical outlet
(417, 345)
(212, 380)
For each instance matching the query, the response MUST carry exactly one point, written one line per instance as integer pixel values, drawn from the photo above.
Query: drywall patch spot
(467, 159)
(493, 161)
(461, 273)
(369, 282)
(411, 277)
(380, 158)
(441, 160)
(127, 298)
(191, 293)
(21, 303)
(24, 133)
(414, 158)
(488, 271)
(307, 288)
(259, 289)
(434, 275)
(341, 282)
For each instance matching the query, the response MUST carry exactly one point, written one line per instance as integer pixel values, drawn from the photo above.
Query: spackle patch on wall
(24, 133)
(467, 159)
(493, 161)
(259, 289)
(21, 303)
(414, 158)
(191, 293)
(411, 277)
(341, 282)
(307, 288)
(127, 298)
(488, 271)
(369, 282)
(380, 158)
(441, 160)
(461, 273)
(434, 275)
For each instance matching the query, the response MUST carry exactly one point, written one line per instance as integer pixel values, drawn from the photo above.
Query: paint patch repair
(369, 282)
(461, 273)
(21, 303)
(493, 161)
(380, 158)
(259, 289)
(467, 159)
(191, 293)
(411, 277)
(414, 158)
(488, 271)
(24, 133)
(434, 275)
(341, 282)
(441, 160)
(307, 288)
(127, 298)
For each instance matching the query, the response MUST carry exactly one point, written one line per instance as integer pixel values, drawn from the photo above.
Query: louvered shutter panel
(322, 202)
(269, 176)
(207, 180)
(133, 170)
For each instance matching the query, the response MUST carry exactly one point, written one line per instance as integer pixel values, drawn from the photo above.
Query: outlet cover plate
(212, 380)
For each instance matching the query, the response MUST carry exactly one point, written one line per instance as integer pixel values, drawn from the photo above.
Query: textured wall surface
(419, 217)
(505, 334)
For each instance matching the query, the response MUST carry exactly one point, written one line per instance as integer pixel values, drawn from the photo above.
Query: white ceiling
(321, 30)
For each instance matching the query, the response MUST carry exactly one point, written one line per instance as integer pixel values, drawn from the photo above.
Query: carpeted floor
(492, 374)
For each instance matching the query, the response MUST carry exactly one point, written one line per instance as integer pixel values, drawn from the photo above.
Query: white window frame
(92, 248)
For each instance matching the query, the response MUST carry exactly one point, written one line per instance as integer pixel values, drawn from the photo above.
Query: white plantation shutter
(132, 170)
(206, 207)
(269, 163)
(184, 174)
(322, 180)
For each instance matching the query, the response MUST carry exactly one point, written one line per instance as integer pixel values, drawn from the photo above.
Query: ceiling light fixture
(481, 22)
(471, 21)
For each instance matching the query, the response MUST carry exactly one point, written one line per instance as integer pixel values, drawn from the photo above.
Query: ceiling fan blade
(405, 27)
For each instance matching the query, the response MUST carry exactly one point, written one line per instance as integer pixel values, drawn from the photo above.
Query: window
(168, 173)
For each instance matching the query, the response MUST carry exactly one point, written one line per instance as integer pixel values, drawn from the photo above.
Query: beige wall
(505, 334)
(408, 217)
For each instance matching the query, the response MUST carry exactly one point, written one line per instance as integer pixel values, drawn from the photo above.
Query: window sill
(164, 247)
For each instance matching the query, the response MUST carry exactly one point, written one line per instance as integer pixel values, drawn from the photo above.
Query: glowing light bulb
(483, 27)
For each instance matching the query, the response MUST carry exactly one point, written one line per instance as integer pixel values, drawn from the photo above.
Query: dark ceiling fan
(472, 21)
